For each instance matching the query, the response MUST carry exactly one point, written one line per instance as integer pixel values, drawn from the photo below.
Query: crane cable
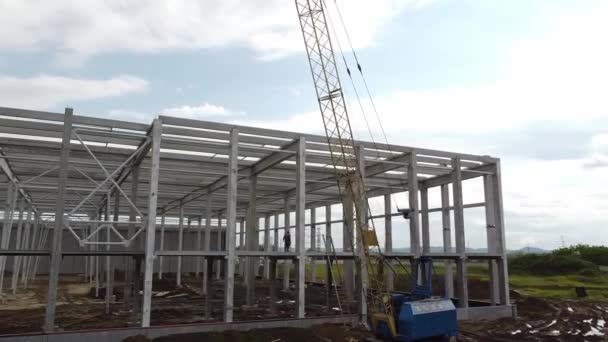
(369, 94)
(361, 106)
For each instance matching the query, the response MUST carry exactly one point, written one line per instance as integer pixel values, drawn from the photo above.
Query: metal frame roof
(194, 161)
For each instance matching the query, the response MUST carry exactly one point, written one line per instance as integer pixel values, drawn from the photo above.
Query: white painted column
(412, 176)
(199, 245)
(503, 272)
(25, 242)
(129, 269)
(18, 238)
(220, 246)
(49, 321)
(424, 218)
(180, 244)
(7, 227)
(252, 241)
(151, 222)
(276, 233)
(267, 246)
(300, 227)
(286, 262)
(207, 244)
(231, 191)
(348, 229)
(328, 250)
(29, 263)
(447, 240)
(241, 260)
(313, 243)
(461, 278)
(361, 225)
(492, 238)
(388, 238)
(108, 283)
(162, 244)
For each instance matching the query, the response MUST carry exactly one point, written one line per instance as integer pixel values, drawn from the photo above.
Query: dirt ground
(539, 320)
(544, 320)
(79, 308)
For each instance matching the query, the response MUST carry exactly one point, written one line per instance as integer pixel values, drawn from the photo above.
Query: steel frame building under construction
(183, 196)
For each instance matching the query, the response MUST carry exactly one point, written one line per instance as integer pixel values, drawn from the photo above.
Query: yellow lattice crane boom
(347, 160)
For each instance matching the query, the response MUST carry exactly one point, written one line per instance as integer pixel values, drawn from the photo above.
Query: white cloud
(295, 91)
(131, 115)
(76, 30)
(556, 75)
(47, 91)
(599, 152)
(202, 111)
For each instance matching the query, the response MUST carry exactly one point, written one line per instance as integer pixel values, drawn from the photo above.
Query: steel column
(267, 246)
(412, 182)
(18, 241)
(424, 218)
(461, 279)
(199, 247)
(231, 204)
(129, 269)
(49, 322)
(180, 245)
(286, 263)
(207, 266)
(252, 241)
(492, 238)
(503, 272)
(162, 244)
(447, 240)
(300, 227)
(388, 238)
(151, 222)
(313, 244)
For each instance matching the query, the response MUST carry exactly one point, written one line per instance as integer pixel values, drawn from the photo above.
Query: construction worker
(287, 240)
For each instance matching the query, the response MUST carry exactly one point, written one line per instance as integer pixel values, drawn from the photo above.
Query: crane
(346, 160)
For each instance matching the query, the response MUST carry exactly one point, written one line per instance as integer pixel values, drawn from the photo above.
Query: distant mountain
(437, 249)
(529, 250)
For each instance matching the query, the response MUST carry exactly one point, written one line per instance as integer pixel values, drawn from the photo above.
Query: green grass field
(558, 286)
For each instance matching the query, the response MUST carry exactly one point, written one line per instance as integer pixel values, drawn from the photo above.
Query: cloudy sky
(522, 80)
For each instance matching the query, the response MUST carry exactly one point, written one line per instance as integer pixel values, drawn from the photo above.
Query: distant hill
(530, 250)
(437, 249)
(525, 250)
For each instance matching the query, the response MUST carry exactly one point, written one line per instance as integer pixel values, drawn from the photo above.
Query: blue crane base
(421, 319)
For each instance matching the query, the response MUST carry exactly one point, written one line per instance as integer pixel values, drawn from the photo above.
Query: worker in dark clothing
(287, 240)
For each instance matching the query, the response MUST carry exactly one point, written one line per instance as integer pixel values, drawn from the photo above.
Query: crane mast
(346, 158)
